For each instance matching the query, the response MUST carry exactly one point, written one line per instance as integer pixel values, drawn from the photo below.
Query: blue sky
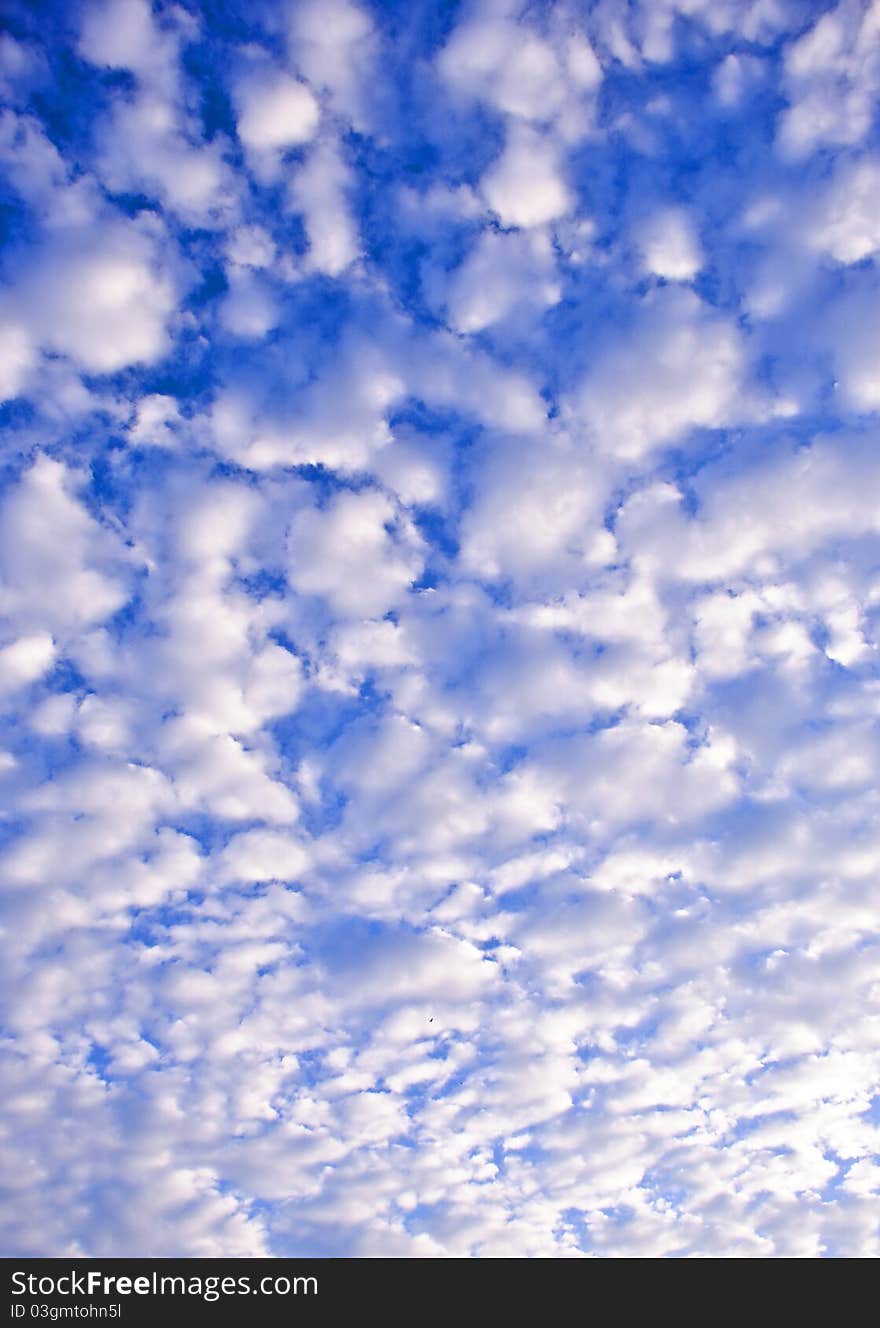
(439, 589)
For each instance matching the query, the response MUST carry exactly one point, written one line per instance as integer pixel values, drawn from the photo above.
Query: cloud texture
(438, 577)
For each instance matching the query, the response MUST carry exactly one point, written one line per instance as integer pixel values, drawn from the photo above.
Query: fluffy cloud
(346, 554)
(846, 225)
(516, 71)
(319, 192)
(54, 555)
(669, 247)
(832, 73)
(277, 112)
(678, 368)
(150, 142)
(526, 186)
(504, 272)
(332, 43)
(542, 77)
(104, 298)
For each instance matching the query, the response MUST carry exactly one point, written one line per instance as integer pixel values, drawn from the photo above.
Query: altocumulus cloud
(438, 575)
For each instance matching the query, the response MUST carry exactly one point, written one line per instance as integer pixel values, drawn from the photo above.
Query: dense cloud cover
(438, 568)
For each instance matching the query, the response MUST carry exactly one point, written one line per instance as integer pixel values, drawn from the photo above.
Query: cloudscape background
(439, 574)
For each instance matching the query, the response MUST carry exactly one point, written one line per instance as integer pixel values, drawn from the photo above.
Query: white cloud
(146, 149)
(832, 74)
(25, 659)
(734, 77)
(536, 514)
(251, 247)
(157, 421)
(17, 357)
(39, 174)
(318, 190)
(149, 141)
(503, 273)
(249, 309)
(122, 34)
(669, 246)
(542, 78)
(853, 338)
(262, 855)
(846, 222)
(275, 112)
(526, 187)
(510, 66)
(52, 553)
(332, 43)
(680, 368)
(794, 502)
(103, 297)
(347, 554)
